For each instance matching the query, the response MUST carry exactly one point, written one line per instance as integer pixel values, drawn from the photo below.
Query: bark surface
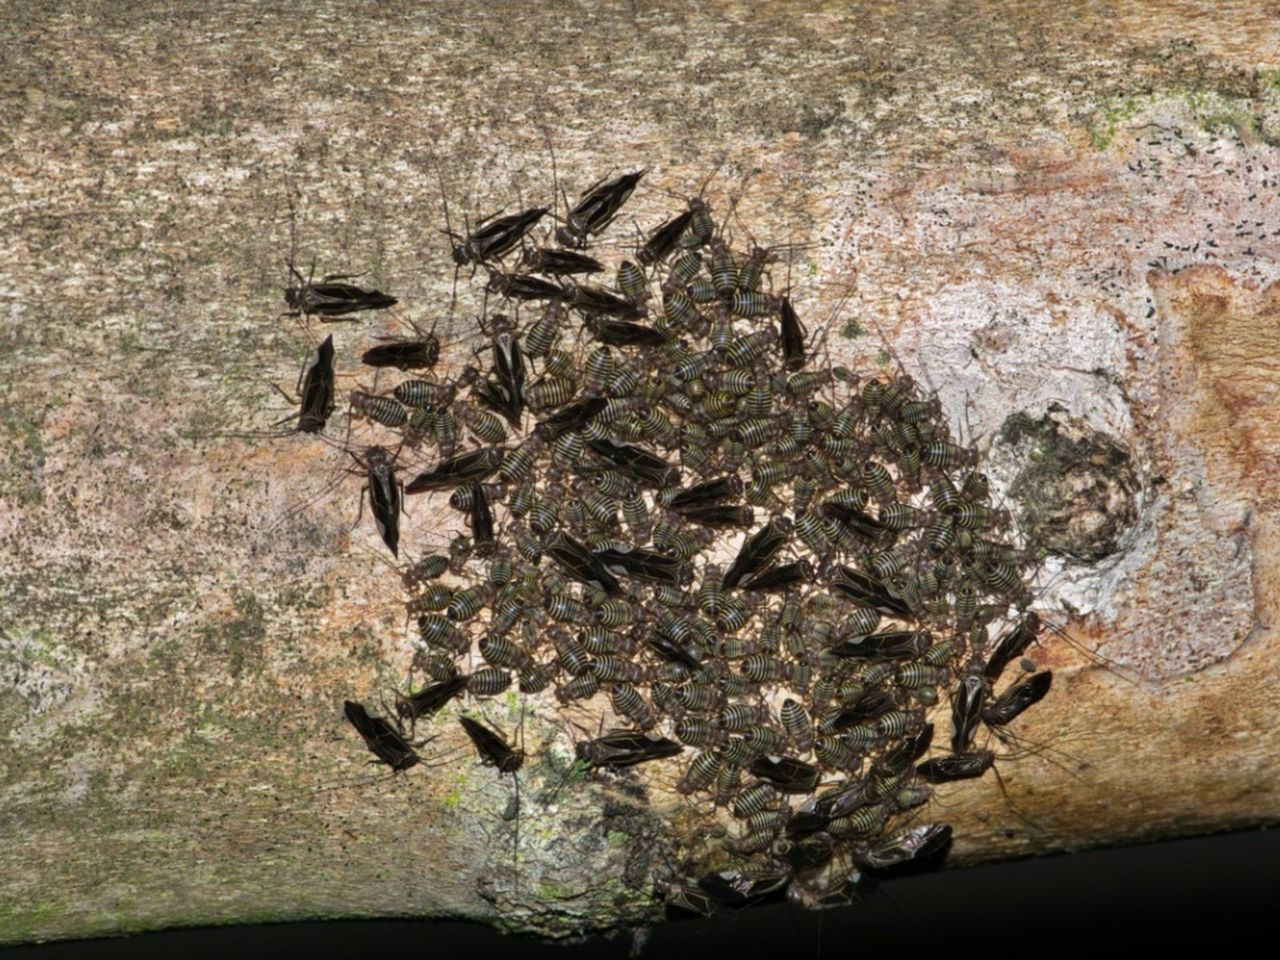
(1064, 218)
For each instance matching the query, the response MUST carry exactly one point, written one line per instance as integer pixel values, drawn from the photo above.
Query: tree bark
(1068, 225)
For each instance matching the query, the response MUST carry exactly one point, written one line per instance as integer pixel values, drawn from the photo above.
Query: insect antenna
(449, 232)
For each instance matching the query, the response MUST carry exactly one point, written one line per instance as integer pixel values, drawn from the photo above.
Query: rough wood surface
(1066, 217)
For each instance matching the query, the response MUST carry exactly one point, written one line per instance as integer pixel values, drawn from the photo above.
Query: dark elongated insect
(679, 896)
(860, 523)
(625, 748)
(459, 470)
(721, 488)
(573, 556)
(793, 335)
(558, 263)
(757, 550)
(386, 495)
(624, 333)
(734, 888)
(920, 846)
(332, 301)
(957, 766)
(596, 208)
(406, 353)
(781, 577)
(720, 515)
(492, 746)
(889, 645)
(966, 711)
(906, 752)
(866, 591)
(494, 236)
(524, 286)
(642, 564)
(787, 773)
(315, 390)
(481, 519)
(637, 463)
(594, 301)
(386, 742)
(430, 698)
(1012, 645)
(1024, 694)
(507, 395)
(663, 239)
(684, 659)
(871, 704)
(573, 417)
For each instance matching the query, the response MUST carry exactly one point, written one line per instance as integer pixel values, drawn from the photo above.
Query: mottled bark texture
(1063, 217)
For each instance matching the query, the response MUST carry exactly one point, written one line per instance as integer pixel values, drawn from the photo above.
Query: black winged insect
(576, 560)
(558, 263)
(736, 888)
(918, 848)
(386, 494)
(623, 333)
(492, 239)
(457, 471)
(506, 393)
(481, 520)
(866, 591)
(664, 239)
(315, 389)
(596, 209)
(757, 550)
(494, 750)
(430, 698)
(494, 236)
(1021, 696)
(315, 399)
(595, 302)
(331, 300)
(626, 748)
(385, 741)
(524, 286)
(405, 353)
(637, 463)
(492, 746)
(573, 417)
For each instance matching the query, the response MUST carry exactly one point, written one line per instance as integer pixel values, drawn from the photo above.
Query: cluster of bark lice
(763, 568)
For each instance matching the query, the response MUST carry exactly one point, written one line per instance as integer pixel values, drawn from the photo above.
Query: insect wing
(757, 550)
(920, 846)
(1020, 697)
(404, 354)
(664, 239)
(493, 238)
(965, 766)
(869, 592)
(793, 335)
(382, 739)
(491, 746)
(642, 564)
(580, 564)
(456, 471)
(787, 773)
(625, 748)
(431, 697)
(317, 390)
